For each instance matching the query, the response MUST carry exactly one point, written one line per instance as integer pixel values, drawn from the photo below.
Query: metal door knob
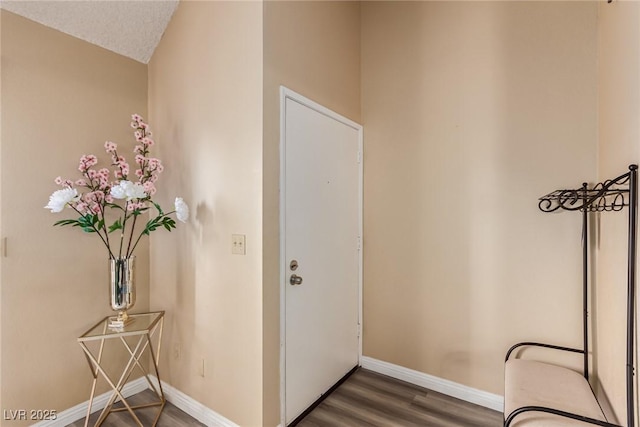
(295, 280)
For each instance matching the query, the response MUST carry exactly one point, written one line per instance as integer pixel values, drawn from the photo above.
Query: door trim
(285, 94)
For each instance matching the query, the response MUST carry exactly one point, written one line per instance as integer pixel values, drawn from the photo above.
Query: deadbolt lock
(293, 265)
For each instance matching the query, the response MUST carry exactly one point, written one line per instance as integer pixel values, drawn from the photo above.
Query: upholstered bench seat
(532, 383)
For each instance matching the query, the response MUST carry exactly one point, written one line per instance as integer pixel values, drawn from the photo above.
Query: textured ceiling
(130, 28)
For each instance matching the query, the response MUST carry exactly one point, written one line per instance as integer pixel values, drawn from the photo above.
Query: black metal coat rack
(608, 196)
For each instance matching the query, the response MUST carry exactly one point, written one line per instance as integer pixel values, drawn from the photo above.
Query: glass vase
(122, 287)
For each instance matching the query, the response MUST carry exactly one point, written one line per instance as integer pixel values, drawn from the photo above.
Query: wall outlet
(238, 244)
(177, 351)
(201, 367)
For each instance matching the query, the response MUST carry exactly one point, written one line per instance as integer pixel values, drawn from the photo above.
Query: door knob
(295, 280)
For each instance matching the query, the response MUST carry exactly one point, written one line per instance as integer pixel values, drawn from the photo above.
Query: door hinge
(359, 244)
(359, 329)
(359, 156)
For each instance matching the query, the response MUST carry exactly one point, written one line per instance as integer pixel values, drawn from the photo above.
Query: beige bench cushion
(531, 383)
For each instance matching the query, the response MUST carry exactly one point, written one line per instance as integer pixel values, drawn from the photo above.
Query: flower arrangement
(94, 195)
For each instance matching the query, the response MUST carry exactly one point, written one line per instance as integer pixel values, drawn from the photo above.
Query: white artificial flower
(59, 199)
(118, 191)
(182, 210)
(136, 191)
(128, 190)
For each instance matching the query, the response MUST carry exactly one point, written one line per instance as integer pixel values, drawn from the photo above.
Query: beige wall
(312, 48)
(472, 110)
(619, 146)
(61, 98)
(205, 100)
(1, 209)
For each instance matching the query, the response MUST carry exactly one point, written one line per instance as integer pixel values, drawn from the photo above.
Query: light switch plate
(238, 244)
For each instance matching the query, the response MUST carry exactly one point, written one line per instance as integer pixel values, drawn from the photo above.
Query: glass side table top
(140, 324)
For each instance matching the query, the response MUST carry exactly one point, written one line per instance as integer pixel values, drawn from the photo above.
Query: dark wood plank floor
(371, 399)
(171, 416)
(365, 399)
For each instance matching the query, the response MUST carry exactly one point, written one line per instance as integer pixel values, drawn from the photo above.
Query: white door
(321, 198)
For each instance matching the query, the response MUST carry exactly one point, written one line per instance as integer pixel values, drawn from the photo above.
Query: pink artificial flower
(132, 206)
(110, 147)
(97, 196)
(138, 136)
(140, 159)
(123, 167)
(81, 182)
(149, 188)
(136, 117)
(148, 141)
(103, 176)
(108, 198)
(95, 208)
(139, 149)
(81, 207)
(154, 163)
(59, 180)
(86, 161)
(139, 173)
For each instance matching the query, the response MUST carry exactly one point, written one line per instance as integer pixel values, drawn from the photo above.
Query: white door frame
(284, 95)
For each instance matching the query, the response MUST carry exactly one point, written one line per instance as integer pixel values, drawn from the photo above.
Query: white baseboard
(79, 411)
(450, 388)
(185, 403)
(194, 408)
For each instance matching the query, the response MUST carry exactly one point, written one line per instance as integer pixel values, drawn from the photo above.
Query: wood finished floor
(171, 416)
(371, 399)
(366, 399)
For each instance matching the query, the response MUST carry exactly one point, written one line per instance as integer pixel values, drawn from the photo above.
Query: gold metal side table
(140, 332)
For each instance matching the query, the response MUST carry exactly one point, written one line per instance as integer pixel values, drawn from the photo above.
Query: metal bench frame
(611, 195)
